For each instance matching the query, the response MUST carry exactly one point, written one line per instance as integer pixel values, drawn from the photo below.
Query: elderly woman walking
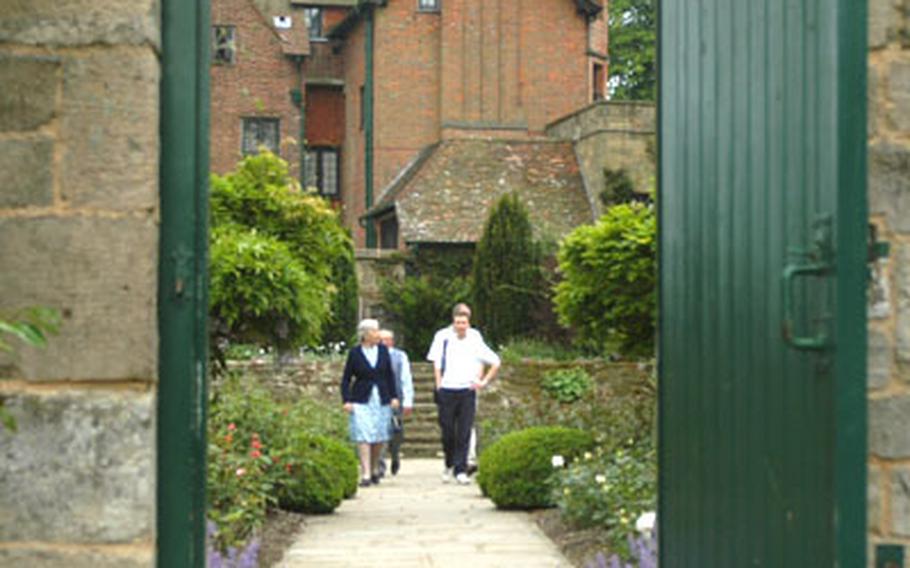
(369, 395)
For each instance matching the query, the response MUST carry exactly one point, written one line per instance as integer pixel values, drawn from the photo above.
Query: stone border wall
(79, 100)
(889, 307)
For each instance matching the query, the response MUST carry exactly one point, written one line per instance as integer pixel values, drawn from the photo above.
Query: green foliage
(633, 49)
(30, 326)
(506, 278)
(567, 385)
(608, 292)
(610, 490)
(441, 261)
(280, 260)
(517, 471)
(325, 472)
(258, 447)
(517, 350)
(618, 188)
(343, 312)
(421, 305)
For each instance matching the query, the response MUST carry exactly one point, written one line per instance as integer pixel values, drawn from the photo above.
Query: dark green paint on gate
(182, 283)
(762, 331)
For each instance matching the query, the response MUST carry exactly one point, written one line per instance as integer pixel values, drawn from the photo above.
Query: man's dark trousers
(456, 418)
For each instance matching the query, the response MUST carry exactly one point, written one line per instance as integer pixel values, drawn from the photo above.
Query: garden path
(414, 520)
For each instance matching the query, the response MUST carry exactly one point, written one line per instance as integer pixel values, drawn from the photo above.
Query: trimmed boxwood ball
(516, 472)
(326, 473)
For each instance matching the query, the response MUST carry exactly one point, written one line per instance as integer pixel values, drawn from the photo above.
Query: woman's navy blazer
(359, 377)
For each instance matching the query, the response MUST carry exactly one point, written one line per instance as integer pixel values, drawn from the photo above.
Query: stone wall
(889, 308)
(612, 135)
(374, 266)
(78, 232)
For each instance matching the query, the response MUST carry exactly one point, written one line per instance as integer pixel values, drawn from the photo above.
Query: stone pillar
(79, 233)
(889, 304)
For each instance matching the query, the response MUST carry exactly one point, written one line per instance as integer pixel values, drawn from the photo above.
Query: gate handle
(791, 273)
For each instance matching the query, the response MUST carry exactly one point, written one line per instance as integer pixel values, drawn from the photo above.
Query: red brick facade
(257, 84)
(476, 68)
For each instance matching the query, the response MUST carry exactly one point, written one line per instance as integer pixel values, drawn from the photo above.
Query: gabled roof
(296, 40)
(444, 195)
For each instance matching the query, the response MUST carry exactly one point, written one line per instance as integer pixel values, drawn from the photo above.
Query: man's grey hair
(461, 309)
(366, 325)
(386, 333)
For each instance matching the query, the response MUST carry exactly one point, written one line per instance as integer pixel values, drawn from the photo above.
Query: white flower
(240, 471)
(646, 522)
(558, 461)
(600, 478)
(588, 455)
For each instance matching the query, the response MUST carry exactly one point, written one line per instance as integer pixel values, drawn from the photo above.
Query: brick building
(421, 72)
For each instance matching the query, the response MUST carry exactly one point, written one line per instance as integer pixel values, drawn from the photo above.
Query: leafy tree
(608, 293)
(506, 277)
(30, 326)
(419, 305)
(633, 50)
(280, 259)
(343, 313)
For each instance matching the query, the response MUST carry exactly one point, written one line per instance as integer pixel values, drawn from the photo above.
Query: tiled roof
(445, 194)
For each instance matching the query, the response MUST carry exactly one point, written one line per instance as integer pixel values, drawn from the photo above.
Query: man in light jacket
(401, 368)
(459, 355)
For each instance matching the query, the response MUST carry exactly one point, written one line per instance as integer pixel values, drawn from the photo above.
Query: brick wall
(889, 307)
(79, 233)
(352, 152)
(258, 84)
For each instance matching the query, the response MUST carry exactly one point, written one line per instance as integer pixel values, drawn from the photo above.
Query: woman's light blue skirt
(370, 422)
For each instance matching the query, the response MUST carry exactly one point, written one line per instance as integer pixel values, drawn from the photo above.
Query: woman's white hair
(366, 325)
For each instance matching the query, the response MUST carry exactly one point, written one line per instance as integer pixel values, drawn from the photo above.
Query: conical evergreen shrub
(506, 279)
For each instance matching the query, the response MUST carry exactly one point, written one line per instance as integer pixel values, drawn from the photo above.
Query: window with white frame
(224, 49)
(428, 5)
(323, 169)
(260, 132)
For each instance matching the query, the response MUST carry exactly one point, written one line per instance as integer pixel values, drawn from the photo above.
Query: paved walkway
(414, 520)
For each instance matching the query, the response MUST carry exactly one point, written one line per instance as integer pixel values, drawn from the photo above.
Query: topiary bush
(324, 472)
(517, 472)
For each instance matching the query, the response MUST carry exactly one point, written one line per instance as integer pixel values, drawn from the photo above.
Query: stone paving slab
(413, 520)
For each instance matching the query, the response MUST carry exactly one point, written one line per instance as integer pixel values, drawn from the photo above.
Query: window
(258, 132)
(322, 170)
(223, 46)
(599, 82)
(363, 106)
(314, 22)
(428, 5)
(388, 233)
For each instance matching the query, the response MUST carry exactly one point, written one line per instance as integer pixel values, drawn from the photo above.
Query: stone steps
(421, 429)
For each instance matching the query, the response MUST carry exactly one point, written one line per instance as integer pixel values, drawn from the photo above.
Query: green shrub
(324, 473)
(419, 306)
(343, 312)
(279, 259)
(610, 490)
(567, 385)
(608, 292)
(506, 277)
(517, 471)
(517, 350)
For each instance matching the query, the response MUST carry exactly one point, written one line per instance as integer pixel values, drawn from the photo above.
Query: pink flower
(232, 426)
(255, 454)
(240, 471)
(229, 438)
(256, 443)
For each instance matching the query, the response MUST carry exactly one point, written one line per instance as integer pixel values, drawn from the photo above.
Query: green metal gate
(763, 250)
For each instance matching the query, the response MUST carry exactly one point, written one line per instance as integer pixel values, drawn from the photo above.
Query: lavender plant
(245, 556)
(643, 549)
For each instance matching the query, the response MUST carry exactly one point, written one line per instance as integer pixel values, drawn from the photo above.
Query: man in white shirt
(459, 355)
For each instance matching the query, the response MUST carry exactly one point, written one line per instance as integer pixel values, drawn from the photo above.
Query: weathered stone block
(26, 172)
(873, 500)
(899, 91)
(889, 436)
(873, 96)
(882, 21)
(110, 129)
(900, 501)
(102, 275)
(29, 92)
(35, 558)
(881, 359)
(80, 469)
(80, 22)
(889, 183)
